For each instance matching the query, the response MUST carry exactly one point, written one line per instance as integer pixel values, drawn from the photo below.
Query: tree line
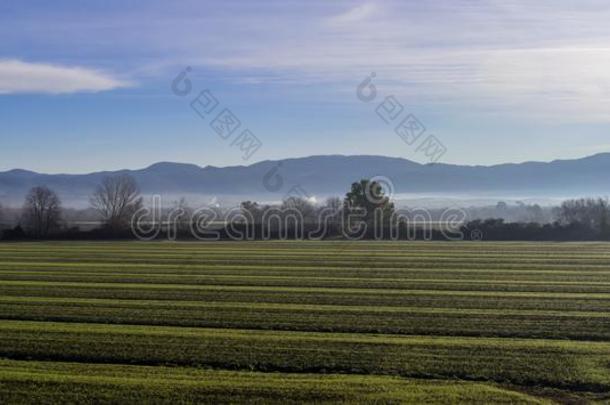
(117, 200)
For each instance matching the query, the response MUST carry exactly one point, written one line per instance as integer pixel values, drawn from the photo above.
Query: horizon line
(300, 158)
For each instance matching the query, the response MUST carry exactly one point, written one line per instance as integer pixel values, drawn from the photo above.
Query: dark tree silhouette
(589, 212)
(41, 212)
(305, 208)
(368, 201)
(117, 198)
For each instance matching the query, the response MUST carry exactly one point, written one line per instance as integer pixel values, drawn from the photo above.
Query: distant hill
(331, 175)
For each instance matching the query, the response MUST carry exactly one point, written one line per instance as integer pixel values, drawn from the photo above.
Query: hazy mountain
(331, 175)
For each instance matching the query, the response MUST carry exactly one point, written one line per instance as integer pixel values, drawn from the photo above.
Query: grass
(77, 382)
(560, 364)
(577, 325)
(296, 321)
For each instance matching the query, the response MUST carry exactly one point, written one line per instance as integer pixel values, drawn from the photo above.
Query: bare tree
(117, 198)
(334, 203)
(303, 206)
(333, 207)
(41, 211)
(181, 215)
(592, 213)
(253, 211)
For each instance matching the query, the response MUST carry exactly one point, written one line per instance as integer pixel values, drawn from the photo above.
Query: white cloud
(356, 14)
(24, 77)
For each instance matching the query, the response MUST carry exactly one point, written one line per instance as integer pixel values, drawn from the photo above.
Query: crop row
(440, 284)
(573, 365)
(369, 253)
(541, 273)
(360, 319)
(330, 260)
(50, 382)
(320, 246)
(323, 296)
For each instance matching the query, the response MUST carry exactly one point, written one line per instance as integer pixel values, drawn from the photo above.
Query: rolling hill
(331, 175)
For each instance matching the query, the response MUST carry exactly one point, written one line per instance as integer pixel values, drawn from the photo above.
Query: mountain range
(331, 175)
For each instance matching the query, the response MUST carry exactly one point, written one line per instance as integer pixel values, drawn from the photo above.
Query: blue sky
(86, 86)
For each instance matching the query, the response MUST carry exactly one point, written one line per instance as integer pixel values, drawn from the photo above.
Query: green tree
(368, 201)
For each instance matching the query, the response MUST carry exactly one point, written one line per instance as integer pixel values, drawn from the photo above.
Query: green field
(304, 321)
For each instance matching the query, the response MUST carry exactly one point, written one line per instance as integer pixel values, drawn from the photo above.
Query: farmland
(305, 321)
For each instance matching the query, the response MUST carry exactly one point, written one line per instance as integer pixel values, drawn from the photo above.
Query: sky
(90, 86)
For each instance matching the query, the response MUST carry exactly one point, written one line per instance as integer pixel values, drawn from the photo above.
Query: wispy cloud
(545, 59)
(24, 77)
(548, 60)
(353, 15)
